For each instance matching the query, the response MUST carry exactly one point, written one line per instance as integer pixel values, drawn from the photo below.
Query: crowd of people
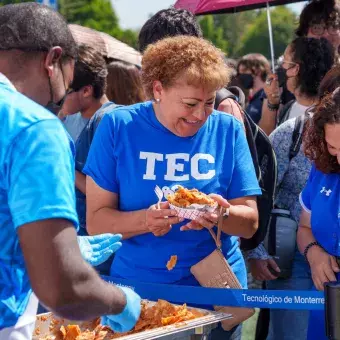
(85, 140)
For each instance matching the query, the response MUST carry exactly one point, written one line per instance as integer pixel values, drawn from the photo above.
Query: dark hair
(315, 146)
(168, 23)
(255, 62)
(315, 58)
(90, 69)
(330, 82)
(124, 84)
(34, 27)
(316, 12)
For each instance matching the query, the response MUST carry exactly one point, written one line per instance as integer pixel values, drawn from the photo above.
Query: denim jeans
(291, 324)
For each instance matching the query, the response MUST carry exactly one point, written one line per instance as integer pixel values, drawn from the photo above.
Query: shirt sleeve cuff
(304, 207)
(259, 253)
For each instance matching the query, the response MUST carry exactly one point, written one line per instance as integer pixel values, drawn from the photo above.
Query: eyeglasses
(319, 29)
(281, 61)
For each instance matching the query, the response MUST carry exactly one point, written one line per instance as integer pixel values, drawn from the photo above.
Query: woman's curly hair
(315, 145)
(168, 59)
(315, 58)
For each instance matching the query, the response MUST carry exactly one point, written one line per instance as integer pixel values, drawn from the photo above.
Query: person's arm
(323, 266)
(41, 198)
(104, 216)
(102, 193)
(233, 108)
(243, 187)
(269, 117)
(243, 217)
(81, 182)
(61, 279)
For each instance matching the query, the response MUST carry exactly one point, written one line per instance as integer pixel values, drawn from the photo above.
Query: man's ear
(52, 59)
(88, 91)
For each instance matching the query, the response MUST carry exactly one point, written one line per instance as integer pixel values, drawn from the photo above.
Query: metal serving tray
(202, 325)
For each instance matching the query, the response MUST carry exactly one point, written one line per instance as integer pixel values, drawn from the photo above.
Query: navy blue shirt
(82, 145)
(254, 108)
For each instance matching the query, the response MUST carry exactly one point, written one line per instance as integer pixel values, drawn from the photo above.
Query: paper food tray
(43, 323)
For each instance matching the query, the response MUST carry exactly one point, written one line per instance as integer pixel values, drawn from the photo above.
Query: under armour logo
(327, 192)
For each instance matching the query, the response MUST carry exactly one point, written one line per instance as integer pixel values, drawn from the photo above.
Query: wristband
(310, 245)
(272, 107)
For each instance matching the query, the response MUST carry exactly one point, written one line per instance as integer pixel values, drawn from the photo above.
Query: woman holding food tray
(175, 139)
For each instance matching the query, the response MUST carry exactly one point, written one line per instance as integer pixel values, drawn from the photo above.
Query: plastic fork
(159, 194)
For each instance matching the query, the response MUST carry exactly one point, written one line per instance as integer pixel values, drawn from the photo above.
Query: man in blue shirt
(37, 203)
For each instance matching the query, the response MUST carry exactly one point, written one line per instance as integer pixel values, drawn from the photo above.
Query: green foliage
(213, 32)
(247, 32)
(256, 38)
(96, 14)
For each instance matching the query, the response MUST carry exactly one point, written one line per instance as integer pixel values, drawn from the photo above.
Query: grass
(249, 327)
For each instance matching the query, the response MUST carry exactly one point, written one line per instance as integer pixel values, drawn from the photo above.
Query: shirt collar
(6, 81)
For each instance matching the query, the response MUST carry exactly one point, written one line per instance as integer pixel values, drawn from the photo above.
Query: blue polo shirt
(132, 152)
(36, 183)
(321, 198)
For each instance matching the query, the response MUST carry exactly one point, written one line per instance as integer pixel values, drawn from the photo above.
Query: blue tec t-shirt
(321, 198)
(132, 152)
(36, 183)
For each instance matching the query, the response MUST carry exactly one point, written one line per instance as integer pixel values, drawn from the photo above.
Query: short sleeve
(40, 175)
(101, 162)
(243, 181)
(305, 196)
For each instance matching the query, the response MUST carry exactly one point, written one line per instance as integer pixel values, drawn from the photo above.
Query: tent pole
(271, 37)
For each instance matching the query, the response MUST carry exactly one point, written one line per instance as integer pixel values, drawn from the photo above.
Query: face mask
(281, 76)
(53, 107)
(246, 81)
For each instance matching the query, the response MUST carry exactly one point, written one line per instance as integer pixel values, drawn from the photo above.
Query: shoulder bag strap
(223, 213)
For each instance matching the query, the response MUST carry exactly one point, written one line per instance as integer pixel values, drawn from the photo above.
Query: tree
(256, 37)
(233, 27)
(96, 14)
(213, 32)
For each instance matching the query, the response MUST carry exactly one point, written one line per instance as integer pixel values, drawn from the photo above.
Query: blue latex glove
(126, 320)
(97, 249)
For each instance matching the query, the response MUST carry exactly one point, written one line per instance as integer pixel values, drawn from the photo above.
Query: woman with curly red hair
(319, 233)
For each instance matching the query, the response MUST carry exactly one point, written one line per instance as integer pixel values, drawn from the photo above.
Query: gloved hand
(126, 320)
(97, 249)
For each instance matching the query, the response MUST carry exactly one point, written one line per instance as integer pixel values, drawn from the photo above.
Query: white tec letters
(175, 164)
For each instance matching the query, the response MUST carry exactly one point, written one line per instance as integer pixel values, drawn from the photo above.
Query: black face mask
(246, 81)
(51, 105)
(56, 107)
(281, 76)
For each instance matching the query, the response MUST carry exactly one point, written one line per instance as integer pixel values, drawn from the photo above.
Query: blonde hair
(196, 58)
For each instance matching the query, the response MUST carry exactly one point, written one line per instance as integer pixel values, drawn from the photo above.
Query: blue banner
(50, 3)
(273, 299)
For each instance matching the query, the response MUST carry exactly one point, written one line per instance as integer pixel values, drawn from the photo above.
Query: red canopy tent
(200, 7)
(227, 6)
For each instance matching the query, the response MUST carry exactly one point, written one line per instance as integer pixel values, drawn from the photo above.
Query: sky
(133, 13)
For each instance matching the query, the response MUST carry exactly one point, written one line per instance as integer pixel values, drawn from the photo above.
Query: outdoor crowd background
(235, 34)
